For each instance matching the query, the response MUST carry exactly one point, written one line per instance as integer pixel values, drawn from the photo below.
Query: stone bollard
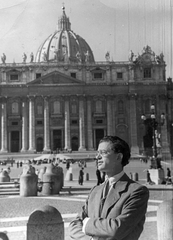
(87, 177)
(51, 181)
(28, 182)
(4, 177)
(3, 236)
(45, 223)
(69, 175)
(135, 177)
(165, 220)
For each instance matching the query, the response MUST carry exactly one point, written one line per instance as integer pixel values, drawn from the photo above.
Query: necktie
(104, 195)
(105, 189)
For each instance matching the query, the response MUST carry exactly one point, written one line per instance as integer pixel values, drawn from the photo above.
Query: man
(121, 214)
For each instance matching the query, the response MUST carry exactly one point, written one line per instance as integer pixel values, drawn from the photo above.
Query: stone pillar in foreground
(45, 223)
(165, 220)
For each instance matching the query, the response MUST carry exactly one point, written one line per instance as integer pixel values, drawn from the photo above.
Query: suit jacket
(122, 216)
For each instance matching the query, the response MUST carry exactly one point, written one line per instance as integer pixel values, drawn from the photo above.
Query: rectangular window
(73, 74)
(39, 122)
(147, 73)
(99, 121)
(38, 75)
(14, 77)
(119, 75)
(74, 122)
(98, 75)
(14, 123)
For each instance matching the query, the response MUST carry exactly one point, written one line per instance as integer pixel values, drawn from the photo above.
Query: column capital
(31, 97)
(46, 98)
(3, 99)
(109, 97)
(82, 97)
(132, 96)
(24, 99)
(102, 98)
(163, 96)
(66, 97)
(89, 97)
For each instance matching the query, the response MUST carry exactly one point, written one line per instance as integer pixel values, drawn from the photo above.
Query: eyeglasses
(103, 152)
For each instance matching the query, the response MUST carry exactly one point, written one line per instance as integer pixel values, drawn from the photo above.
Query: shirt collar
(115, 178)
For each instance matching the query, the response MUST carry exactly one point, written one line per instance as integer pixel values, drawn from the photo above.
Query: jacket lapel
(114, 194)
(95, 199)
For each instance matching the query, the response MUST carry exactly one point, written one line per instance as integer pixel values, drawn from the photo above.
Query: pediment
(55, 78)
(97, 69)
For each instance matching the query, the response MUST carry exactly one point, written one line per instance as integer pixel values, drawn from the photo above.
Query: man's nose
(98, 156)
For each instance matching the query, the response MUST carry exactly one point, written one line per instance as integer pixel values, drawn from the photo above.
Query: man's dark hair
(118, 146)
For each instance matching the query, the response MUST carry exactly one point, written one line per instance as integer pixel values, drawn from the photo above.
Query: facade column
(46, 126)
(113, 115)
(24, 126)
(133, 124)
(3, 126)
(109, 116)
(166, 155)
(31, 125)
(89, 125)
(67, 125)
(81, 125)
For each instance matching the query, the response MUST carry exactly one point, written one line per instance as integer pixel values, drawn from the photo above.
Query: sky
(107, 25)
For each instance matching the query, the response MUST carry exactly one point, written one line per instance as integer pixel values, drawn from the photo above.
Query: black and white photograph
(86, 119)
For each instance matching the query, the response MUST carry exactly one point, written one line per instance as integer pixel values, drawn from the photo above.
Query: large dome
(64, 45)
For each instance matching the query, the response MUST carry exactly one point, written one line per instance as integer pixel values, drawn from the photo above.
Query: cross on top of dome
(63, 7)
(64, 23)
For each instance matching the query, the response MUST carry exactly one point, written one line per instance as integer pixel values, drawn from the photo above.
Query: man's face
(108, 160)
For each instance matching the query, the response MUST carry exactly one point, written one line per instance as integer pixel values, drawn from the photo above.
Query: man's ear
(120, 157)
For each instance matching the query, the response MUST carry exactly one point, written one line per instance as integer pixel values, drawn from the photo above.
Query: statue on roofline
(107, 56)
(87, 55)
(147, 49)
(24, 57)
(31, 57)
(3, 58)
(45, 57)
(131, 56)
(78, 56)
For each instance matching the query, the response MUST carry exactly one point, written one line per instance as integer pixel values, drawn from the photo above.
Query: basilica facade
(61, 98)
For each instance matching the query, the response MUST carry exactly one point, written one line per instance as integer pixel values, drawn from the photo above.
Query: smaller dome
(64, 45)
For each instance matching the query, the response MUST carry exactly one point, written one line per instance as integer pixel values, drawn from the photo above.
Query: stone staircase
(9, 188)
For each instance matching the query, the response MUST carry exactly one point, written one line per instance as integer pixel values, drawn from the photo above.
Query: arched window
(56, 107)
(74, 108)
(15, 107)
(39, 109)
(120, 106)
(98, 106)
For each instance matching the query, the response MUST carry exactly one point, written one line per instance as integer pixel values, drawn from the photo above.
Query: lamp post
(154, 124)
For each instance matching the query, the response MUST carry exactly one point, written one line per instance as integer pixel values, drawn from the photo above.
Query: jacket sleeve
(75, 227)
(133, 213)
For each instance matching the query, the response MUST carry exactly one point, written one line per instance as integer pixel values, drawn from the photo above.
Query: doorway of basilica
(74, 143)
(57, 139)
(39, 144)
(14, 141)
